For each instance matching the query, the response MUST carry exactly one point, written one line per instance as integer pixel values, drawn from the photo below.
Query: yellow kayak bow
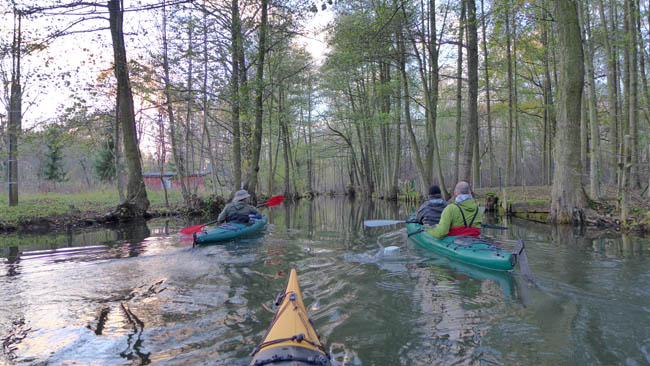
(291, 339)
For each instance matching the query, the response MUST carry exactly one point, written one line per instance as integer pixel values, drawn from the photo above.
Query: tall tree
(487, 96)
(179, 159)
(259, 108)
(509, 170)
(566, 195)
(612, 95)
(237, 47)
(459, 91)
(470, 152)
(633, 116)
(136, 191)
(15, 109)
(594, 151)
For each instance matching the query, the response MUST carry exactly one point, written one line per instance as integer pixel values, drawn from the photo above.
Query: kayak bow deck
(291, 339)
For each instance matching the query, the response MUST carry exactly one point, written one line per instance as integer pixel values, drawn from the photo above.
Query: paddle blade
(274, 201)
(191, 229)
(378, 223)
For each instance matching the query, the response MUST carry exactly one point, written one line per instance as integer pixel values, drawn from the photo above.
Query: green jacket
(451, 217)
(236, 210)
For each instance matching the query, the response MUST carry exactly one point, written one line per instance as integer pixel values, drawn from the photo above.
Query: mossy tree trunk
(567, 197)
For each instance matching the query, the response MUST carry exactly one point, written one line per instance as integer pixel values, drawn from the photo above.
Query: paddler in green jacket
(237, 210)
(463, 217)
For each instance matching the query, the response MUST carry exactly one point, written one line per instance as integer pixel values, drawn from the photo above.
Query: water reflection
(141, 295)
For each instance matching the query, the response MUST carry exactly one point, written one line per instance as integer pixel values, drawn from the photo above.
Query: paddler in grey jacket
(237, 210)
(430, 211)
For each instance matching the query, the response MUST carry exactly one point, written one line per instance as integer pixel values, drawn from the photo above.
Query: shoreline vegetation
(56, 212)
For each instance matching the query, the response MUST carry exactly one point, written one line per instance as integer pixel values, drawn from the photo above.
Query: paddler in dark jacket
(237, 210)
(430, 211)
(463, 217)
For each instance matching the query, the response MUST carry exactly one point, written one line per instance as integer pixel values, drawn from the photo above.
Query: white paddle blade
(378, 223)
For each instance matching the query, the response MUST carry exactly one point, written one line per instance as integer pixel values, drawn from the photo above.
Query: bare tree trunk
(491, 158)
(429, 74)
(398, 145)
(407, 113)
(470, 150)
(162, 152)
(204, 91)
(509, 172)
(584, 136)
(567, 196)
(117, 156)
(634, 99)
(548, 108)
(259, 107)
(310, 162)
(594, 155)
(179, 160)
(189, 152)
(136, 191)
(236, 138)
(515, 107)
(625, 124)
(459, 93)
(612, 103)
(15, 110)
(626, 175)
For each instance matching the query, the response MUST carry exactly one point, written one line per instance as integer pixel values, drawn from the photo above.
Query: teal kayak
(230, 230)
(468, 249)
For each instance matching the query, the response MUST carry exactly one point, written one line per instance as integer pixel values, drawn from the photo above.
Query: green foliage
(104, 165)
(52, 168)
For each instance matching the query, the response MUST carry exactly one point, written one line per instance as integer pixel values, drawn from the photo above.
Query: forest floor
(55, 211)
(533, 203)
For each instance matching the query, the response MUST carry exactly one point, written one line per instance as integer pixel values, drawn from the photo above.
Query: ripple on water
(212, 305)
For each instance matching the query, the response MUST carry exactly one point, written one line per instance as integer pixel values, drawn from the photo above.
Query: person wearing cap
(463, 217)
(431, 210)
(237, 210)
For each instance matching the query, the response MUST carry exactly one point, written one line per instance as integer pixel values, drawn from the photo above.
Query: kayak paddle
(273, 201)
(379, 223)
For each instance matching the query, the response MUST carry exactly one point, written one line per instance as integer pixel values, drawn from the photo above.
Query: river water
(140, 295)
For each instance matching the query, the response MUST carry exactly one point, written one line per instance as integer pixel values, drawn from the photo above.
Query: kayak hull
(292, 338)
(467, 249)
(229, 231)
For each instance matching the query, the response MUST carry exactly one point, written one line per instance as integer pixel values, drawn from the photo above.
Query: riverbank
(60, 211)
(533, 203)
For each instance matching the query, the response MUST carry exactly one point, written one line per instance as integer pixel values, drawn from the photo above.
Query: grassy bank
(62, 207)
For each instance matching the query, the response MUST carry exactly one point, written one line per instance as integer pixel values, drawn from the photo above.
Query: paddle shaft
(379, 223)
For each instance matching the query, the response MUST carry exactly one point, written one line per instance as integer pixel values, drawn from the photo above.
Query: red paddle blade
(191, 229)
(274, 201)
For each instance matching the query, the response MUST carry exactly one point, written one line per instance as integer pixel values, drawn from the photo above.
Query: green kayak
(230, 230)
(468, 249)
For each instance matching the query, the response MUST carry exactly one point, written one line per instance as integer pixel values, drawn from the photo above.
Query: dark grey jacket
(430, 211)
(237, 211)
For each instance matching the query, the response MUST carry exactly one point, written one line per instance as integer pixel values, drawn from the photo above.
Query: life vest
(466, 230)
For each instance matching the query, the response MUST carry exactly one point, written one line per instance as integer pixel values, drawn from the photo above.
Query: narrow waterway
(141, 295)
